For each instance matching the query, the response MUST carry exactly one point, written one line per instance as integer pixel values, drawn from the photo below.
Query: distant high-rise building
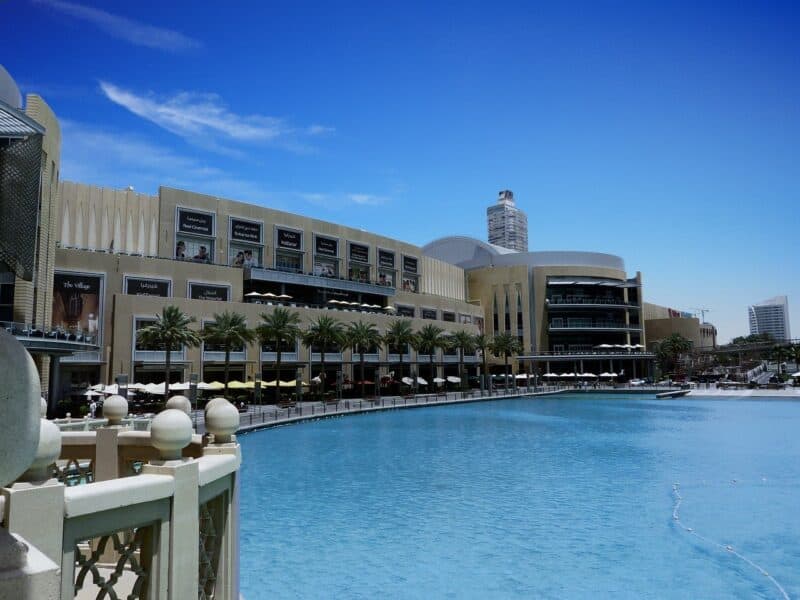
(772, 317)
(508, 225)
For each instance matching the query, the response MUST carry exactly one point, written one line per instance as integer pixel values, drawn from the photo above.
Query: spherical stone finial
(180, 403)
(42, 408)
(222, 419)
(47, 452)
(115, 408)
(19, 408)
(171, 432)
(211, 403)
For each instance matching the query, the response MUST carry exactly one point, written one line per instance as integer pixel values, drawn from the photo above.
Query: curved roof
(9, 92)
(470, 253)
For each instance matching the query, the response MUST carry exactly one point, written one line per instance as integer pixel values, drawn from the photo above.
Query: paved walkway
(260, 417)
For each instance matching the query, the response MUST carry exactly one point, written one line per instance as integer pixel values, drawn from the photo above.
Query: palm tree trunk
(361, 354)
(433, 373)
(322, 386)
(278, 374)
(167, 369)
(227, 367)
(461, 367)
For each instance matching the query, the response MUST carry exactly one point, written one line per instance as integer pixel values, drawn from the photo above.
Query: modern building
(660, 322)
(507, 224)
(30, 141)
(130, 255)
(573, 311)
(771, 316)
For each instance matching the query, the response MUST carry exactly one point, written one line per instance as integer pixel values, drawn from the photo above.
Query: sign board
(141, 286)
(196, 223)
(246, 231)
(289, 239)
(326, 246)
(359, 253)
(206, 291)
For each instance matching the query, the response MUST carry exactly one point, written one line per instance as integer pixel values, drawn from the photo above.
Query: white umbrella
(637, 346)
(521, 376)
(179, 387)
(333, 301)
(202, 385)
(612, 374)
(453, 379)
(285, 296)
(604, 346)
(97, 387)
(252, 295)
(91, 393)
(796, 374)
(421, 381)
(567, 375)
(136, 386)
(155, 388)
(390, 307)
(438, 380)
(407, 380)
(588, 375)
(268, 295)
(550, 375)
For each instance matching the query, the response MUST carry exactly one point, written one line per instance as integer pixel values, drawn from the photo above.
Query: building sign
(410, 265)
(245, 231)
(290, 239)
(138, 286)
(385, 259)
(196, 223)
(428, 313)
(77, 302)
(326, 246)
(206, 291)
(359, 253)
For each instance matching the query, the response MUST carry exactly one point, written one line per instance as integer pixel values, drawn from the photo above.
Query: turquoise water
(558, 497)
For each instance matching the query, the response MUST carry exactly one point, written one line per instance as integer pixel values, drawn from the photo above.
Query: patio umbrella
(136, 386)
(97, 387)
(637, 346)
(439, 380)
(612, 374)
(421, 381)
(453, 379)
(216, 385)
(154, 388)
(550, 375)
(567, 375)
(521, 376)
(91, 393)
(179, 387)
(390, 307)
(289, 383)
(407, 380)
(587, 375)
(269, 295)
(333, 301)
(237, 385)
(250, 385)
(252, 295)
(796, 374)
(285, 297)
(604, 346)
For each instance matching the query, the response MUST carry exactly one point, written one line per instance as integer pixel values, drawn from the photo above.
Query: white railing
(133, 514)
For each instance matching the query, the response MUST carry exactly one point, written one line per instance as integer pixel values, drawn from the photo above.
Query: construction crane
(702, 312)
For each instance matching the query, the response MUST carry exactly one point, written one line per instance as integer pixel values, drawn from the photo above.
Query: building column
(54, 389)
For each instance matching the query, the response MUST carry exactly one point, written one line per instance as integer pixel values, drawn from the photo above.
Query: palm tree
(360, 337)
(170, 331)
(230, 331)
(506, 345)
(483, 343)
(428, 339)
(324, 333)
(281, 326)
(670, 349)
(400, 335)
(780, 354)
(464, 342)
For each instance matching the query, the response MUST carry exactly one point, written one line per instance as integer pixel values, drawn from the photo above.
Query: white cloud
(109, 158)
(366, 199)
(203, 118)
(123, 28)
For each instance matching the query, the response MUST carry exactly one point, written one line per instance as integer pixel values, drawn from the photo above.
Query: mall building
(102, 263)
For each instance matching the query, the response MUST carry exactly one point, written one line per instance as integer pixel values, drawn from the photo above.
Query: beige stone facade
(360, 262)
(662, 322)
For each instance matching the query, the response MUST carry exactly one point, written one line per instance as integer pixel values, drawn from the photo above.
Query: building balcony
(588, 354)
(583, 303)
(219, 355)
(573, 325)
(268, 357)
(51, 341)
(317, 281)
(392, 358)
(329, 357)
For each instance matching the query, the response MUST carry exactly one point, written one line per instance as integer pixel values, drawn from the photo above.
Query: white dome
(9, 91)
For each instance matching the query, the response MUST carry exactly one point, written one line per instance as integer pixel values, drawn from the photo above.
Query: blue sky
(668, 134)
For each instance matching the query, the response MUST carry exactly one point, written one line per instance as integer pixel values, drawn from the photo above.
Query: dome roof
(9, 91)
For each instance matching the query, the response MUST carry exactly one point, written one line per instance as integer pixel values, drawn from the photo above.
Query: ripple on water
(566, 497)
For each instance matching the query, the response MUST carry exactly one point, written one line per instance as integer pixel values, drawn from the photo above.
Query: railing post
(106, 460)
(170, 432)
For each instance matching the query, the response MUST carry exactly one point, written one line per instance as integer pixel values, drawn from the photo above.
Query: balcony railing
(590, 301)
(123, 513)
(574, 324)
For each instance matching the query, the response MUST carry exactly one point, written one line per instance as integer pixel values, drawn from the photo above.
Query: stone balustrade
(119, 513)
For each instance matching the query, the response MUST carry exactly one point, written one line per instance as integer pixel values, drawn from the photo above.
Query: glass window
(194, 249)
(429, 313)
(325, 266)
(288, 261)
(244, 255)
(386, 277)
(405, 311)
(410, 284)
(271, 346)
(359, 272)
(450, 317)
